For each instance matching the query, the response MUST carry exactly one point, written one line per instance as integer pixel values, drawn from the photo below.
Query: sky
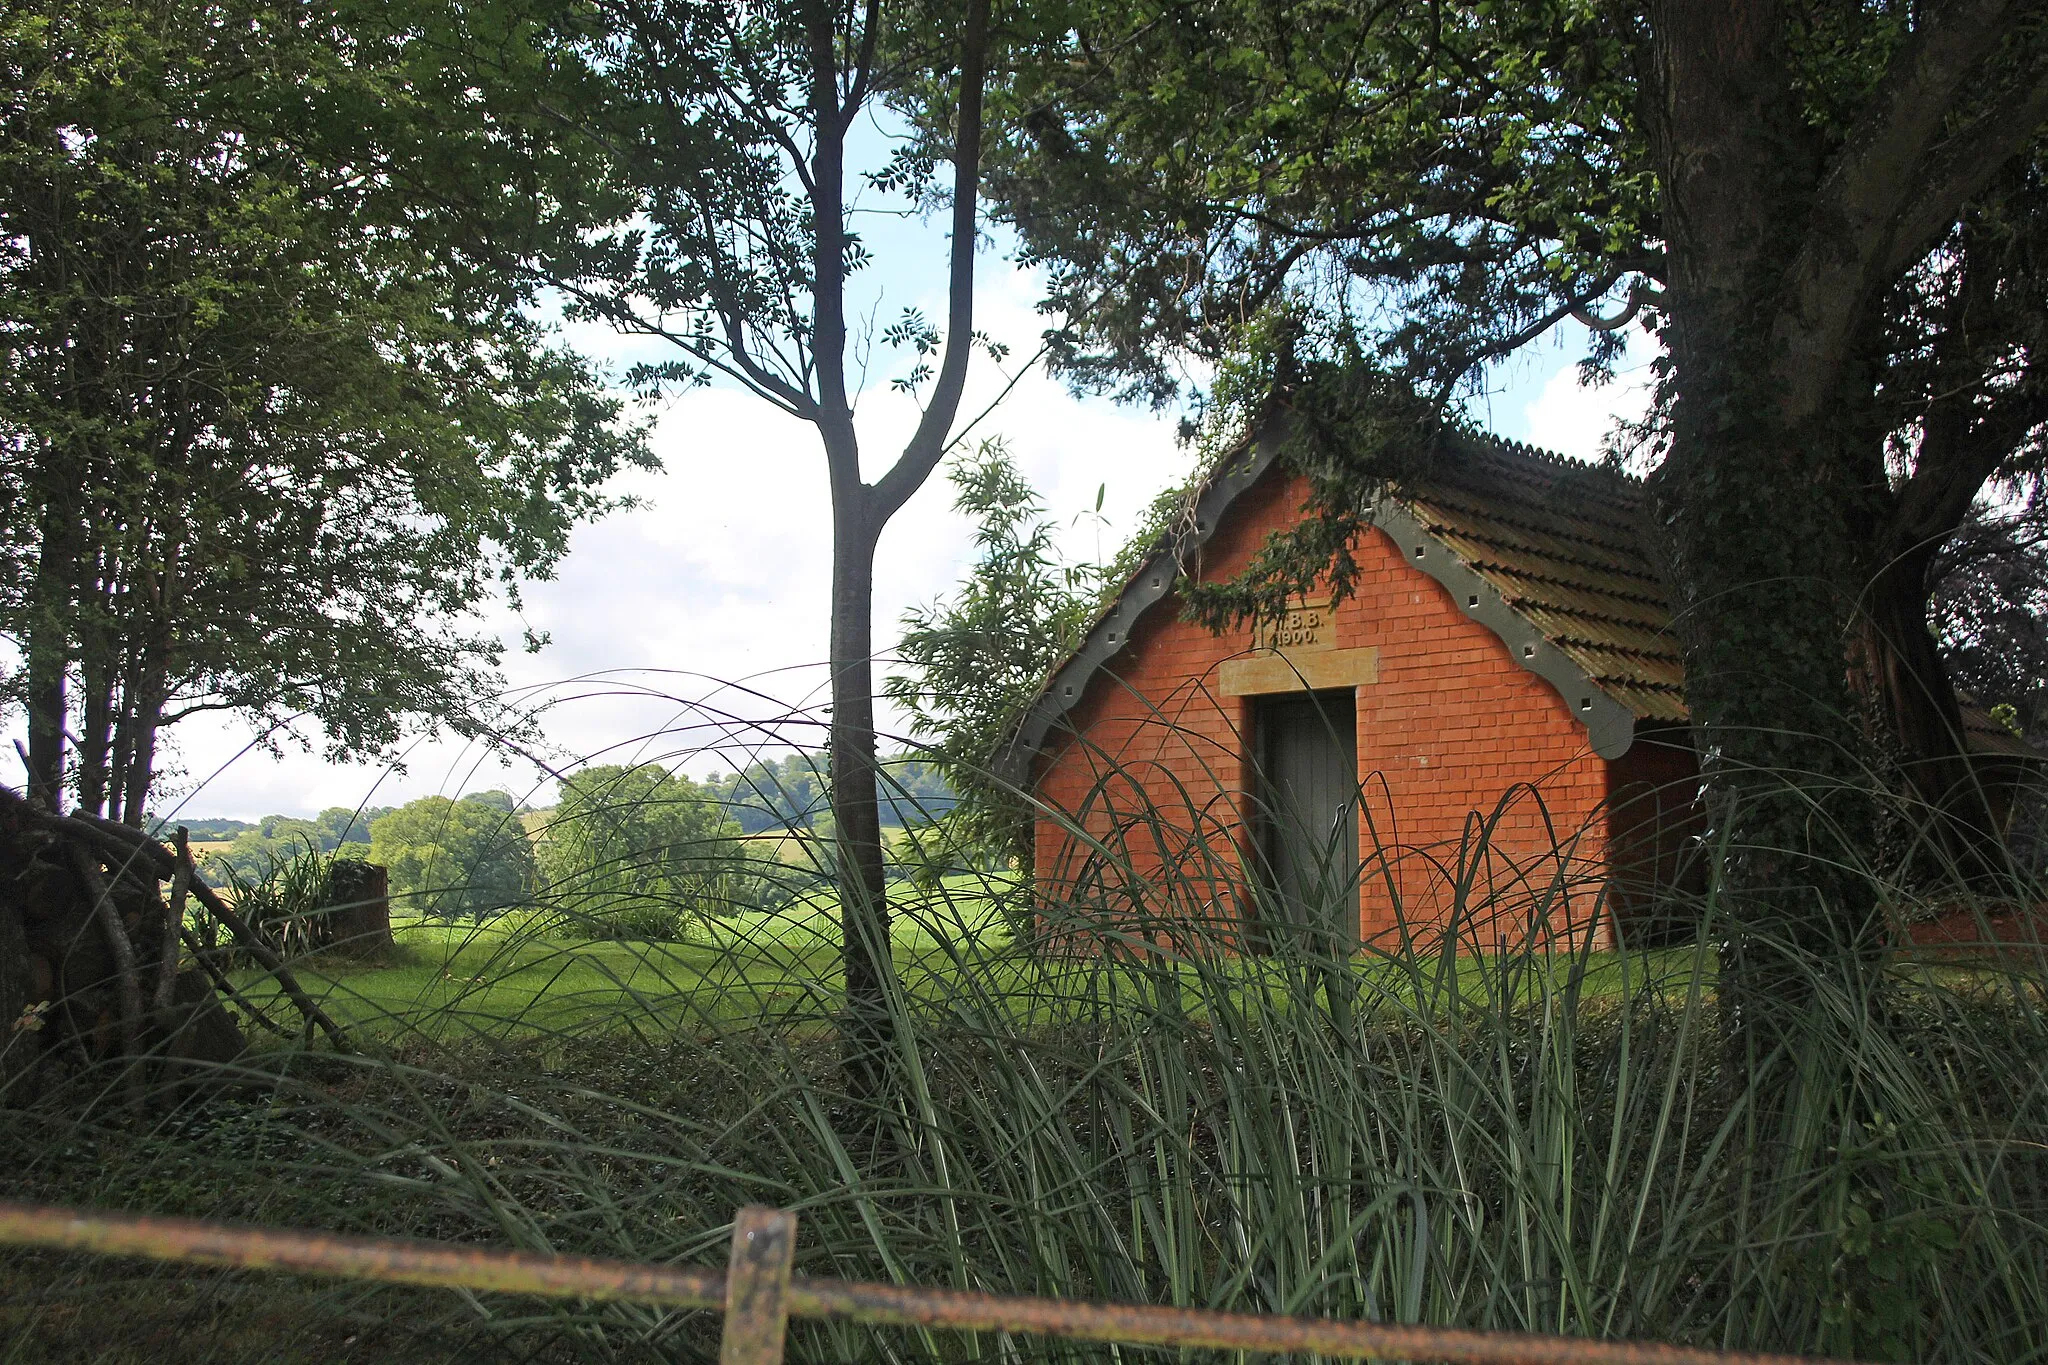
(691, 629)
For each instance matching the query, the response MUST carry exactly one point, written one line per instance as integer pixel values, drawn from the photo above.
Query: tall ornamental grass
(1497, 1130)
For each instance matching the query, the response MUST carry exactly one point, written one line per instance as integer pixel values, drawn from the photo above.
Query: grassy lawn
(1107, 1124)
(506, 978)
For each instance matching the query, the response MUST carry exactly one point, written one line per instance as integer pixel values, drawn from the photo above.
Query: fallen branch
(219, 978)
(272, 963)
(125, 844)
(118, 943)
(124, 840)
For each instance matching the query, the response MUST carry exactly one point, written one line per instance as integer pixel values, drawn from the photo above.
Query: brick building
(1506, 651)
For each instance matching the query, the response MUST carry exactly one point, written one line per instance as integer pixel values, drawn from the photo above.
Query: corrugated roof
(1987, 736)
(1564, 546)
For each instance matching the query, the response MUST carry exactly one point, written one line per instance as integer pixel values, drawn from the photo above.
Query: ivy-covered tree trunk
(1754, 495)
(1781, 250)
(1755, 531)
(1828, 215)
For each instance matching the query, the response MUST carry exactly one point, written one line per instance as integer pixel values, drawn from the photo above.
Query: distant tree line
(257, 847)
(209, 831)
(632, 851)
(792, 793)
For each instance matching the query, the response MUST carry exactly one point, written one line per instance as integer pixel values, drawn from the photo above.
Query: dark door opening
(1307, 810)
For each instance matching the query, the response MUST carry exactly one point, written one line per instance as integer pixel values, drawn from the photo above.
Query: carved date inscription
(1307, 625)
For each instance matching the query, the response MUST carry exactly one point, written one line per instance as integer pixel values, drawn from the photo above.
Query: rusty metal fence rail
(758, 1294)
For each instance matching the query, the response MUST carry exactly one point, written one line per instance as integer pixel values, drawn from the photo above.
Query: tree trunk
(49, 648)
(19, 1045)
(1941, 827)
(856, 811)
(1754, 495)
(95, 732)
(1757, 537)
(860, 511)
(125, 722)
(147, 708)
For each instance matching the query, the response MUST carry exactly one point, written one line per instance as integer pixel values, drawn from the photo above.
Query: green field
(508, 976)
(1539, 1141)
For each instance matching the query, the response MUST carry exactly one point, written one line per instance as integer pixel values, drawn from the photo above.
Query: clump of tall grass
(281, 899)
(1463, 1124)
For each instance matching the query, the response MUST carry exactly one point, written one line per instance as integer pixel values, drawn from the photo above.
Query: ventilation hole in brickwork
(1419, 550)
(1585, 703)
(1528, 651)
(1473, 601)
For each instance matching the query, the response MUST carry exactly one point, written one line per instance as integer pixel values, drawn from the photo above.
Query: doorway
(1307, 811)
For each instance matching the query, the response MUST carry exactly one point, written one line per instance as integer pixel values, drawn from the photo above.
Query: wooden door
(1308, 809)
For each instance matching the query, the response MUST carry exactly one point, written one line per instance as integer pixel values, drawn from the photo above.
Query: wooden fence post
(757, 1286)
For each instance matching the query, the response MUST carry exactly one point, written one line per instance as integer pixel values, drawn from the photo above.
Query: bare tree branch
(929, 443)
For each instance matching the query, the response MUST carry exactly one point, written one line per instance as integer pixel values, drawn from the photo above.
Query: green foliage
(448, 858)
(913, 790)
(976, 660)
(1990, 612)
(640, 852)
(1183, 172)
(257, 848)
(721, 223)
(1349, 428)
(774, 794)
(268, 440)
(1532, 1137)
(1851, 344)
(792, 793)
(204, 831)
(279, 892)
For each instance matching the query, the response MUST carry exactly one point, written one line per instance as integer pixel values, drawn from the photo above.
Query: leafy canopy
(271, 435)
(972, 662)
(639, 846)
(450, 857)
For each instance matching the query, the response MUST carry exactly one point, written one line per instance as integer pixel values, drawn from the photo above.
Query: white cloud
(1574, 419)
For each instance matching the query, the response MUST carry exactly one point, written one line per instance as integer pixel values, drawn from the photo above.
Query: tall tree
(637, 844)
(724, 130)
(453, 857)
(265, 444)
(1991, 613)
(1815, 209)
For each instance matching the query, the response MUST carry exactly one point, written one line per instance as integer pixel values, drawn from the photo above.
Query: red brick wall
(1156, 772)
